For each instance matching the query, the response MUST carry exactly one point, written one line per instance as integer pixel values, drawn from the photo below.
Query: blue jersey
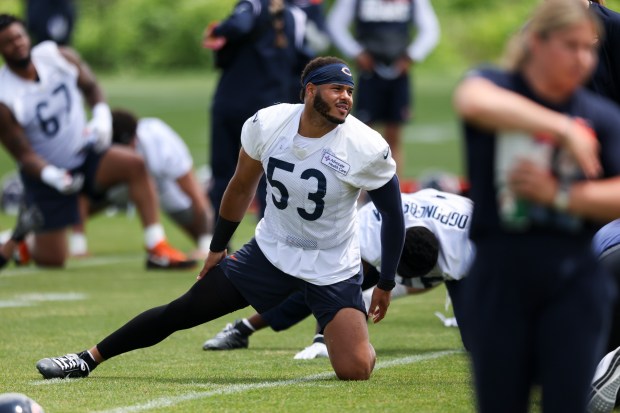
(482, 159)
(384, 27)
(606, 78)
(257, 56)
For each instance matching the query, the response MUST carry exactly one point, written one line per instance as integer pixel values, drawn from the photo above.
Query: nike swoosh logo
(255, 118)
(387, 153)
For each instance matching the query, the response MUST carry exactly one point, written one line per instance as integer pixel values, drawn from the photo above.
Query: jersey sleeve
(377, 171)
(250, 137)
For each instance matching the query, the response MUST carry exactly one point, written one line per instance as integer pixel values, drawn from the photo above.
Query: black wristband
(386, 285)
(223, 232)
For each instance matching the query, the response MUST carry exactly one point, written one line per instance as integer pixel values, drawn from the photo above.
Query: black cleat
(63, 367)
(229, 338)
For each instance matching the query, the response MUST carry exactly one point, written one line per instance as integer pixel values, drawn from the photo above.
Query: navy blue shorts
(382, 100)
(60, 210)
(264, 286)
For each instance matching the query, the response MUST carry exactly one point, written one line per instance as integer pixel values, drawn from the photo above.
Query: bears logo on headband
(337, 73)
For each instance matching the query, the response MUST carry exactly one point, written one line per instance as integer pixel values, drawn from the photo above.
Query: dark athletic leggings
(209, 298)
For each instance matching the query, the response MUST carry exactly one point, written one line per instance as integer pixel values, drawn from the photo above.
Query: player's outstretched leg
(605, 384)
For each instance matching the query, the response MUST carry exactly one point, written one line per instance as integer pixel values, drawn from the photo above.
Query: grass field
(421, 366)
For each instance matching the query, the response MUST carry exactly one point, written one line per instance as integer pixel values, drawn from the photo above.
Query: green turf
(264, 378)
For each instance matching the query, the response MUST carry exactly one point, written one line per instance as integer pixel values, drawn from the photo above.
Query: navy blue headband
(337, 73)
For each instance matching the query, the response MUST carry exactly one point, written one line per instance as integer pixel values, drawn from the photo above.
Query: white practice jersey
(50, 110)
(167, 159)
(310, 228)
(446, 215)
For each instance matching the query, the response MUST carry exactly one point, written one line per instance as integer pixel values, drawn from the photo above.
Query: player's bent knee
(354, 365)
(358, 368)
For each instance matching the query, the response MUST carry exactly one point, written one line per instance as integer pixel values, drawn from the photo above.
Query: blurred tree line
(162, 35)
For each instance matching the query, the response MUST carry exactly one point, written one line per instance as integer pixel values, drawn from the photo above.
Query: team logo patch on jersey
(335, 163)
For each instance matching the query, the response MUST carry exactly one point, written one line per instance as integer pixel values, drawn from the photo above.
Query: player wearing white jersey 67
(43, 127)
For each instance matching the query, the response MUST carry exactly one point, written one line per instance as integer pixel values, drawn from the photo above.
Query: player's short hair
(314, 64)
(124, 126)
(8, 19)
(420, 252)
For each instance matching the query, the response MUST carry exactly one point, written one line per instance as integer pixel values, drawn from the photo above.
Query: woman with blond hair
(543, 160)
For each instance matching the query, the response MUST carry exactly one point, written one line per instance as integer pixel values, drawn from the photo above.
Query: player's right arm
(241, 188)
(237, 198)
(14, 139)
(16, 143)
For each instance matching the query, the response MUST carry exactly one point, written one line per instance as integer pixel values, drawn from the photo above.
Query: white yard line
(162, 402)
(74, 263)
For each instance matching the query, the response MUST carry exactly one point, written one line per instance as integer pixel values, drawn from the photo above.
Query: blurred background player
(384, 51)
(51, 20)
(170, 164)
(437, 249)
(268, 37)
(541, 186)
(43, 126)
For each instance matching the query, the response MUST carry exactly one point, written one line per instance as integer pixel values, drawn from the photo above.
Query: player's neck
(314, 125)
(28, 72)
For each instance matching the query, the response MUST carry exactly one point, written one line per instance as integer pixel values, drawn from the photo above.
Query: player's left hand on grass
(379, 304)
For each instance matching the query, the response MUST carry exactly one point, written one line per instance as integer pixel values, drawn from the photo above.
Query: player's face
(334, 102)
(15, 45)
(568, 56)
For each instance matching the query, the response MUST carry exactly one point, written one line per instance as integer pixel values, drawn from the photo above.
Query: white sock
(78, 245)
(153, 235)
(204, 242)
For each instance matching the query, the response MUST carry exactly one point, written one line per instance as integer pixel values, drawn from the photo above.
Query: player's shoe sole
(605, 389)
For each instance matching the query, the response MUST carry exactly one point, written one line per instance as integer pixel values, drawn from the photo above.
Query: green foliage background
(164, 35)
